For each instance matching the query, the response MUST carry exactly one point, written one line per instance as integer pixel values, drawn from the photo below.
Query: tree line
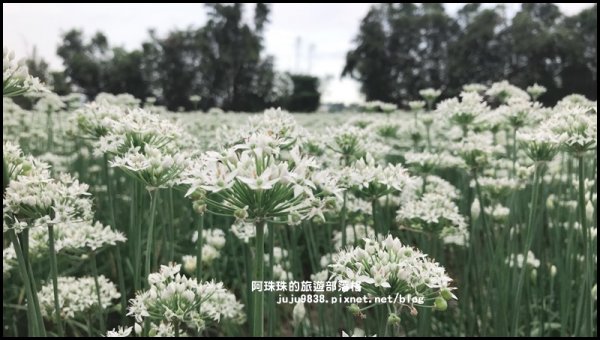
(400, 49)
(403, 47)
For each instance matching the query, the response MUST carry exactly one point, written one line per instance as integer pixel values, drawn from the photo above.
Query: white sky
(329, 28)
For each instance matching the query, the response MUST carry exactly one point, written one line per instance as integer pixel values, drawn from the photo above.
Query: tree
(401, 48)
(84, 61)
(221, 61)
(369, 62)
(578, 51)
(476, 56)
(306, 96)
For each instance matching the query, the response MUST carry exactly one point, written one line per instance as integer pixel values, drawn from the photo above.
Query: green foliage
(401, 48)
(306, 96)
(222, 62)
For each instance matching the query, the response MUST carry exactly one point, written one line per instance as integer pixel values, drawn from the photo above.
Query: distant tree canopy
(402, 48)
(222, 62)
(306, 96)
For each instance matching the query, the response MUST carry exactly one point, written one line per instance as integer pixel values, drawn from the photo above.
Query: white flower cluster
(213, 240)
(434, 185)
(39, 200)
(378, 105)
(272, 122)
(498, 187)
(174, 298)
(95, 120)
(388, 267)
(85, 235)
(281, 264)
(576, 127)
(374, 180)
(530, 261)
(479, 88)
(430, 94)
(251, 181)
(502, 91)
(244, 230)
(540, 143)
(464, 112)
(16, 77)
(519, 112)
(124, 100)
(427, 162)
(143, 145)
(416, 105)
(155, 167)
(432, 213)
(535, 91)
(49, 103)
(477, 150)
(73, 236)
(18, 164)
(119, 332)
(77, 296)
(354, 233)
(575, 100)
(9, 259)
(348, 141)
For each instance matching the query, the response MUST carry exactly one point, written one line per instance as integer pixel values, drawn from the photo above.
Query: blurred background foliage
(400, 49)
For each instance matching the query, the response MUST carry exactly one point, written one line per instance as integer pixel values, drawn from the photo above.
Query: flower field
(469, 216)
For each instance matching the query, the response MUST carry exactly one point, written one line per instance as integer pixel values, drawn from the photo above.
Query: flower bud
(137, 328)
(553, 271)
(440, 304)
(393, 319)
(550, 202)
(298, 314)
(533, 275)
(354, 309)
(589, 211)
(475, 209)
(447, 294)
(199, 207)
(241, 214)
(294, 218)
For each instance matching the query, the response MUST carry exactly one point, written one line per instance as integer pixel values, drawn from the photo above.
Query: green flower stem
(137, 237)
(514, 153)
(54, 270)
(343, 217)
(375, 224)
(427, 130)
(5, 178)
(35, 296)
(150, 240)
(99, 310)
(170, 227)
(200, 227)
(258, 329)
(537, 184)
(113, 221)
(271, 316)
(588, 306)
(33, 308)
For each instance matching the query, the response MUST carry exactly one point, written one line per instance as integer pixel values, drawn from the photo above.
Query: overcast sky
(328, 28)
